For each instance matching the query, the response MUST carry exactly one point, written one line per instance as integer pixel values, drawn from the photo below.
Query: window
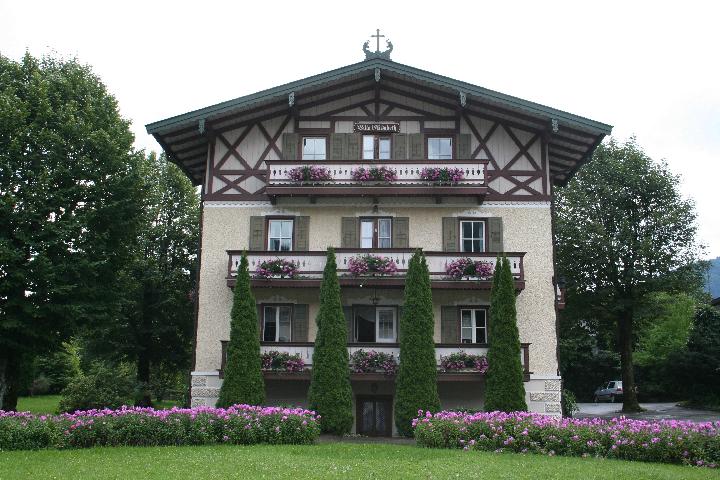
(375, 324)
(280, 233)
(376, 148)
(440, 148)
(472, 235)
(376, 233)
(314, 148)
(473, 325)
(276, 323)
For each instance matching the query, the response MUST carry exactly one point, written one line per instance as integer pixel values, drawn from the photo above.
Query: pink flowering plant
(370, 361)
(282, 362)
(370, 264)
(666, 441)
(378, 174)
(467, 267)
(310, 173)
(442, 174)
(463, 361)
(135, 426)
(279, 267)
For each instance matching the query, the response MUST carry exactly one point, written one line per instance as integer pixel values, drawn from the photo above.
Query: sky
(650, 69)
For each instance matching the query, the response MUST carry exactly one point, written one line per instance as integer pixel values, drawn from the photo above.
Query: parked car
(609, 393)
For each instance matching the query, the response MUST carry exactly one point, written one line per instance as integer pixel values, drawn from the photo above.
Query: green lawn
(38, 404)
(339, 460)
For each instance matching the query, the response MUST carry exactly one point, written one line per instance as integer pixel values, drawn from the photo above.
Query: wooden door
(374, 416)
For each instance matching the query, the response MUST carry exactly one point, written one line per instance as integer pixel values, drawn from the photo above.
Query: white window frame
(313, 156)
(472, 238)
(281, 237)
(376, 153)
(276, 320)
(393, 310)
(375, 238)
(440, 157)
(474, 326)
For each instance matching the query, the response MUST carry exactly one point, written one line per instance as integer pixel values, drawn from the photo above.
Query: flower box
(462, 361)
(369, 264)
(373, 174)
(446, 175)
(370, 361)
(310, 173)
(275, 361)
(466, 267)
(278, 268)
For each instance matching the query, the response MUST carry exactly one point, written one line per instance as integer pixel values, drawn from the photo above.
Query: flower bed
(310, 173)
(378, 174)
(667, 441)
(463, 361)
(373, 362)
(442, 174)
(277, 268)
(130, 426)
(282, 362)
(466, 267)
(369, 264)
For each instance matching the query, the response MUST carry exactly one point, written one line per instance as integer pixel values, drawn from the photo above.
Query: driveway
(653, 411)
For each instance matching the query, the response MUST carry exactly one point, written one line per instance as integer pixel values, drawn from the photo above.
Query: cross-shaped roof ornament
(377, 53)
(377, 37)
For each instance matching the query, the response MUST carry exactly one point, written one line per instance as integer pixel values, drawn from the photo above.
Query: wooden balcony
(408, 182)
(311, 265)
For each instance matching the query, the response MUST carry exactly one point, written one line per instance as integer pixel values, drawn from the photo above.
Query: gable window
(314, 148)
(276, 323)
(375, 324)
(472, 235)
(440, 148)
(376, 148)
(280, 235)
(473, 325)
(376, 233)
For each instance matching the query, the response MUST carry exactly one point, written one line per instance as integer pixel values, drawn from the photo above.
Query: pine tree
(417, 376)
(243, 381)
(504, 389)
(330, 391)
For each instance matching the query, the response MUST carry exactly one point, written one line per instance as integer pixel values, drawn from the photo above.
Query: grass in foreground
(340, 460)
(39, 404)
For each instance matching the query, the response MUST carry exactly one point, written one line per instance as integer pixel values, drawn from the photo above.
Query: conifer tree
(243, 382)
(504, 389)
(330, 391)
(417, 375)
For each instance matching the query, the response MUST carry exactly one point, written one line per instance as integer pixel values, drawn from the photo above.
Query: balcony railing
(408, 182)
(311, 265)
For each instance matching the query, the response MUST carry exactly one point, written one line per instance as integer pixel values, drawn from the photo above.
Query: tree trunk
(625, 342)
(143, 379)
(3, 381)
(9, 382)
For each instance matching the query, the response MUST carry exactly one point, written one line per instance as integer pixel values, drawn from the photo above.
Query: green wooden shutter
(399, 146)
(290, 145)
(449, 325)
(417, 146)
(302, 234)
(495, 234)
(450, 234)
(339, 146)
(401, 232)
(463, 150)
(353, 146)
(257, 233)
(349, 233)
(348, 312)
(300, 323)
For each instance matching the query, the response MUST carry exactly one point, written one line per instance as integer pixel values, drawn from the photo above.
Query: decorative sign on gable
(360, 127)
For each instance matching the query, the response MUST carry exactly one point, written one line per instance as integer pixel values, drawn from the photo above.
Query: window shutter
(300, 323)
(353, 146)
(290, 145)
(399, 146)
(399, 316)
(260, 320)
(495, 231)
(450, 234)
(401, 232)
(257, 233)
(302, 234)
(338, 146)
(449, 324)
(463, 150)
(349, 233)
(417, 146)
(348, 311)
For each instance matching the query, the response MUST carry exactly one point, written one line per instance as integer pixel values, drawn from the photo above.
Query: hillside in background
(713, 279)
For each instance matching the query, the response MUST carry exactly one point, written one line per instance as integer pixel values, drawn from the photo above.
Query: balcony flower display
(277, 268)
(309, 173)
(275, 361)
(371, 361)
(442, 174)
(369, 264)
(463, 361)
(466, 267)
(377, 174)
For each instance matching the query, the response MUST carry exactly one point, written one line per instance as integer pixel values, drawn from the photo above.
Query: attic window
(314, 148)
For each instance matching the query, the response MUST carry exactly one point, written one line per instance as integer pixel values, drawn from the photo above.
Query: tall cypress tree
(330, 391)
(504, 389)
(243, 381)
(417, 375)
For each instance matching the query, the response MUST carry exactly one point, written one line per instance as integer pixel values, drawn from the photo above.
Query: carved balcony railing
(311, 265)
(407, 183)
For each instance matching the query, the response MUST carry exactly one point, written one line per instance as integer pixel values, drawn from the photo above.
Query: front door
(374, 416)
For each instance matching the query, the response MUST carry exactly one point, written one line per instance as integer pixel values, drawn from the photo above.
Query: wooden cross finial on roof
(377, 36)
